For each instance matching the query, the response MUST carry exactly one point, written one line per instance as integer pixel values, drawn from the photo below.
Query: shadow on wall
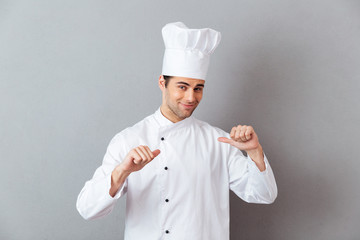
(273, 99)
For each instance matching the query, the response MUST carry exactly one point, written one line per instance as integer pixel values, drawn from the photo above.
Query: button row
(166, 200)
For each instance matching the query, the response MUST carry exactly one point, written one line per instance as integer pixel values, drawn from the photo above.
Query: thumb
(156, 153)
(225, 140)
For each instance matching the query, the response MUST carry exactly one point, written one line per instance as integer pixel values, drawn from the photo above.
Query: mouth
(188, 106)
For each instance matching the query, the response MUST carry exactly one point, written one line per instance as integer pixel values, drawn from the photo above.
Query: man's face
(180, 97)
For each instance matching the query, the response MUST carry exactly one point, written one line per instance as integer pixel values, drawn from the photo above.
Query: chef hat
(187, 51)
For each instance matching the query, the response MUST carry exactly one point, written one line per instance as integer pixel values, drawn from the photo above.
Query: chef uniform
(184, 192)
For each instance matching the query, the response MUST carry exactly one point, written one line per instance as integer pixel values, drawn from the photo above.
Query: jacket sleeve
(94, 200)
(246, 180)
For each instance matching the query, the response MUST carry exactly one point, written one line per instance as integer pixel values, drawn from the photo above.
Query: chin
(188, 113)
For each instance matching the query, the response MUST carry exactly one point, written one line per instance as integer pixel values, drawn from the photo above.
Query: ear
(161, 82)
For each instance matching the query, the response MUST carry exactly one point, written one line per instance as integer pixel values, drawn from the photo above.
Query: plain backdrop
(74, 73)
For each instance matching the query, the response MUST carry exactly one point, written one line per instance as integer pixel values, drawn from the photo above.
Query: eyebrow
(185, 83)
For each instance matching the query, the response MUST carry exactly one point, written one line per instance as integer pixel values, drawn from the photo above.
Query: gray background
(74, 73)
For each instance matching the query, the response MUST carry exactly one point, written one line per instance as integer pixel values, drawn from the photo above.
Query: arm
(94, 200)
(251, 177)
(109, 183)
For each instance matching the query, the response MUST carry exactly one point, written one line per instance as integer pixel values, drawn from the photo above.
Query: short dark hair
(167, 79)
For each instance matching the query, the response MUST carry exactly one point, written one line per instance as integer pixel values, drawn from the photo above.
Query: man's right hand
(137, 158)
(134, 161)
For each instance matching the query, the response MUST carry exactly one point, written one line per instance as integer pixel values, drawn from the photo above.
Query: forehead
(190, 81)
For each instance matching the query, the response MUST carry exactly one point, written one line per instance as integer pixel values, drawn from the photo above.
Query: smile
(188, 106)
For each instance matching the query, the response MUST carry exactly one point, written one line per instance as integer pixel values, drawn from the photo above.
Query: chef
(175, 170)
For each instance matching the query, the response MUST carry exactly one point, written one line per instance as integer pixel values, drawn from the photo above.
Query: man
(176, 169)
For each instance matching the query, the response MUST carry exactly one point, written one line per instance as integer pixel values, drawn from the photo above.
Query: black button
(167, 232)
(162, 139)
(166, 168)
(166, 200)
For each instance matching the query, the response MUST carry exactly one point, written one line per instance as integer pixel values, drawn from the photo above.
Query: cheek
(172, 97)
(177, 95)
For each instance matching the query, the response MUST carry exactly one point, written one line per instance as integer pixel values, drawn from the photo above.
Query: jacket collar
(165, 123)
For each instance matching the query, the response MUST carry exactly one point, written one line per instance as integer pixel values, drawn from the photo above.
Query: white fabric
(187, 51)
(200, 173)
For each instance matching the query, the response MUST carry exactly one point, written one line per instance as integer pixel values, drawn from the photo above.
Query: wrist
(256, 152)
(257, 156)
(119, 175)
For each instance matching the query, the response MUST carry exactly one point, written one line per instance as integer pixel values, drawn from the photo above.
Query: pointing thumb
(225, 140)
(156, 152)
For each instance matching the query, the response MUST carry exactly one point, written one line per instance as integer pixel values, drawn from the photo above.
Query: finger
(225, 140)
(237, 133)
(136, 157)
(248, 133)
(242, 133)
(142, 156)
(232, 133)
(149, 152)
(147, 155)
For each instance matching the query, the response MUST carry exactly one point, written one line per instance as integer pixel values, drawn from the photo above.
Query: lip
(188, 106)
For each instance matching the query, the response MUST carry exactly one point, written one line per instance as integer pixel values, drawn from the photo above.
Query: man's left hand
(244, 138)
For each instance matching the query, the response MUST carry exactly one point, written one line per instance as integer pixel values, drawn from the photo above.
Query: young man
(176, 169)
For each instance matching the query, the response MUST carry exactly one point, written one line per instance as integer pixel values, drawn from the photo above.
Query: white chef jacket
(184, 192)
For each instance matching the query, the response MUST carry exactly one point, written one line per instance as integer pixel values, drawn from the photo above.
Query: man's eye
(198, 89)
(182, 87)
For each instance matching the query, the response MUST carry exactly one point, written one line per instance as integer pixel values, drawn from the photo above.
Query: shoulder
(210, 134)
(202, 125)
(135, 130)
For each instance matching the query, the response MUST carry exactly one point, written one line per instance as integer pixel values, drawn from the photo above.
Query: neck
(166, 112)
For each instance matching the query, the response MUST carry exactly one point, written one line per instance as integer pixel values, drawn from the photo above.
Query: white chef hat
(187, 51)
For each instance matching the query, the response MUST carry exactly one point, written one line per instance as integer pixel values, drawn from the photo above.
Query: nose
(190, 96)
